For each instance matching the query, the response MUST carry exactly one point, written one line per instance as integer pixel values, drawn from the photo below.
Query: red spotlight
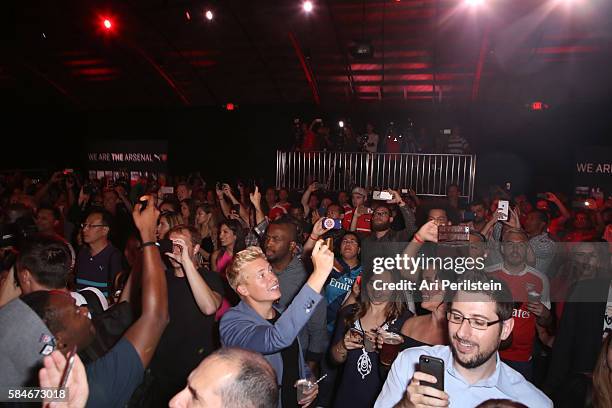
(107, 24)
(230, 106)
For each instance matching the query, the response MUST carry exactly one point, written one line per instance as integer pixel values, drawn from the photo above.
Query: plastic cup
(390, 348)
(302, 386)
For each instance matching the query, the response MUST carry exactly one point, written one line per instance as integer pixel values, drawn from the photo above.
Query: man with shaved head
(230, 377)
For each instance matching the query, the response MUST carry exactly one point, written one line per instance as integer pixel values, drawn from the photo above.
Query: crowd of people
(173, 292)
(394, 138)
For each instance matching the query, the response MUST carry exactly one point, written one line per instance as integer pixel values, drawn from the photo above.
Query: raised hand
(397, 198)
(51, 375)
(428, 232)
(322, 257)
(255, 198)
(183, 256)
(146, 220)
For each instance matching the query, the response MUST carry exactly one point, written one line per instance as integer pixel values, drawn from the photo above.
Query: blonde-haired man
(255, 324)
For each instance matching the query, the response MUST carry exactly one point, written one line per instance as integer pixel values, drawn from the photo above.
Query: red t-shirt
(363, 222)
(310, 142)
(524, 332)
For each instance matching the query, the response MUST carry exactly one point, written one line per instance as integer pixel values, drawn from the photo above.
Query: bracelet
(314, 239)
(418, 239)
(150, 243)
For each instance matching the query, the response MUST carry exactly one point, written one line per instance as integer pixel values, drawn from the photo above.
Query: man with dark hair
(543, 247)
(383, 217)
(230, 377)
(183, 191)
(47, 219)
(478, 321)
(46, 263)
(98, 262)
(530, 289)
(113, 377)
(194, 296)
(480, 214)
(280, 246)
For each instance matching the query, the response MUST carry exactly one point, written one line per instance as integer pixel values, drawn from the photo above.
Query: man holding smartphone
(478, 321)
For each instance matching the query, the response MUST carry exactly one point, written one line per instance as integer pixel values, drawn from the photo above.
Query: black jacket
(579, 338)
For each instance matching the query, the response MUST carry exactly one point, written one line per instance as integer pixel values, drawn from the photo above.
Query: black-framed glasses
(85, 225)
(474, 322)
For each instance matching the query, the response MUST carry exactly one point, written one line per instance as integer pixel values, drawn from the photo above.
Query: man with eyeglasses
(383, 217)
(530, 289)
(98, 261)
(478, 321)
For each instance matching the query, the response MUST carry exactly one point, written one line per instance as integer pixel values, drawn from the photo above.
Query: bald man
(230, 377)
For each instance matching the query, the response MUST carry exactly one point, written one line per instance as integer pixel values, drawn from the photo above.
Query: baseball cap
(24, 341)
(360, 190)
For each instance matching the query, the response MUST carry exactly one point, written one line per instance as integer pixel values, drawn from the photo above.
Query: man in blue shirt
(478, 321)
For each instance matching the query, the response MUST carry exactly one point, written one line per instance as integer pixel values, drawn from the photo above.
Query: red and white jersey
(363, 222)
(524, 332)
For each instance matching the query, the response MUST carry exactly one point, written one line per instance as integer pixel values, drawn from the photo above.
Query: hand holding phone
(435, 367)
(502, 208)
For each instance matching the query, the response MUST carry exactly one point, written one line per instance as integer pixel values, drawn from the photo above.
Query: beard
(479, 359)
(382, 226)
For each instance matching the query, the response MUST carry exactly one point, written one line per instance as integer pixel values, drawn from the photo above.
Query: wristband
(418, 239)
(150, 243)
(314, 239)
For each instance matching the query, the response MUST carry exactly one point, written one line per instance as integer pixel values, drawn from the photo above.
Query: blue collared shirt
(504, 383)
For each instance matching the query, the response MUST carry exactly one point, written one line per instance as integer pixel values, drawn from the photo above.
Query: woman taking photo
(354, 343)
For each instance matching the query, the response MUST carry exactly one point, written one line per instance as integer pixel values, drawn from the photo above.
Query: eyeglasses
(349, 242)
(474, 322)
(381, 214)
(86, 226)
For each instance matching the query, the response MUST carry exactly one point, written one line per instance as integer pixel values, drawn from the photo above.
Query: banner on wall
(593, 167)
(128, 155)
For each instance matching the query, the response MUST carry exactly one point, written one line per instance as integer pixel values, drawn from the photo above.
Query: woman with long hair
(432, 328)
(188, 211)
(602, 376)
(204, 223)
(354, 342)
(231, 239)
(167, 221)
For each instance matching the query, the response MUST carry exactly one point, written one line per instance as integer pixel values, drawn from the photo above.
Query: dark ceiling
(271, 52)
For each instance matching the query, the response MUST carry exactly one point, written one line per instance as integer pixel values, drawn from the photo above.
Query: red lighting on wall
(537, 106)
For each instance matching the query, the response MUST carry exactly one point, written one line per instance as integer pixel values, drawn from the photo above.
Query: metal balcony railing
(426, 174)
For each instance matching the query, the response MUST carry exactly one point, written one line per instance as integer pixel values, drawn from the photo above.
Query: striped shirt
(98, 270)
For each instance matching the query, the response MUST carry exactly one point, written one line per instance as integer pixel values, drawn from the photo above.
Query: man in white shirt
(478, 321)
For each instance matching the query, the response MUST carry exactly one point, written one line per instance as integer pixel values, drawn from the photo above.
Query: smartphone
(447, 233)
(320, 186)
(447, 131)
(166, 190)
(236, 208)
(332, 223)
(356, 333)
(68, 171)
(433, 366)
(502, 207)
(68, 368)
(381, 195)
(165, 245)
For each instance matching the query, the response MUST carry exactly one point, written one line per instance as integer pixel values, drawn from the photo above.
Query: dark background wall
(534, 150)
